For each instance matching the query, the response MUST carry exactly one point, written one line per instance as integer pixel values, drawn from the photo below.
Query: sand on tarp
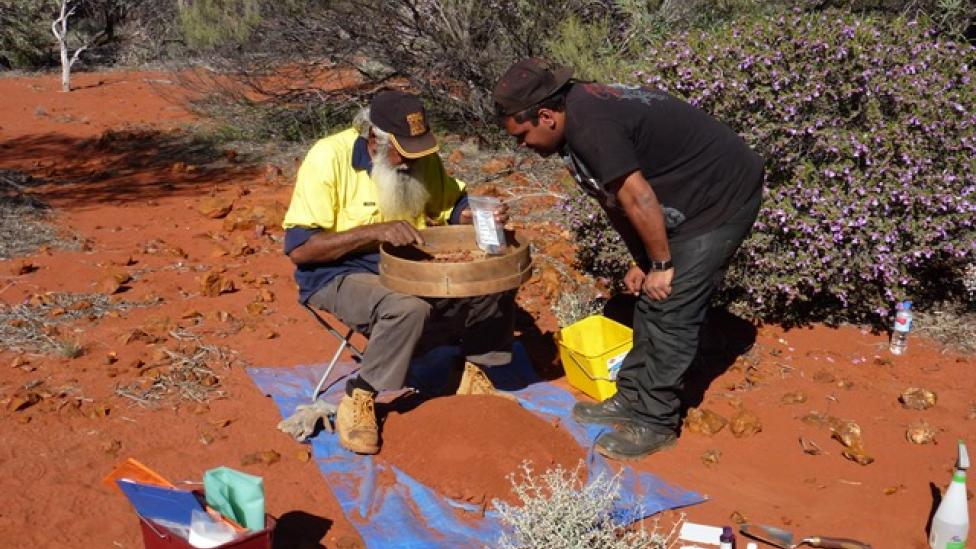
(465, 447)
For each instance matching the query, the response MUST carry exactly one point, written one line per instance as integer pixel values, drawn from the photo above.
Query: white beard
(400, 194)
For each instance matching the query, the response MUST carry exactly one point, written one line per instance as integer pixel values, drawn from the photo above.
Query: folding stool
(344, 342)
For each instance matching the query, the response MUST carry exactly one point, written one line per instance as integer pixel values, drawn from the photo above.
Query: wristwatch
(660, 265)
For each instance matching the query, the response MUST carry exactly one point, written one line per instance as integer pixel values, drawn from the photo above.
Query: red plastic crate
(155, 536)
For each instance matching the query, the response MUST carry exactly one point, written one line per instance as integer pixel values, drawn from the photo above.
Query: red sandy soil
(476, 449)
(133, 198)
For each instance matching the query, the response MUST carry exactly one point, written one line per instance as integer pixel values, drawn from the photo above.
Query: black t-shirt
(700, 170)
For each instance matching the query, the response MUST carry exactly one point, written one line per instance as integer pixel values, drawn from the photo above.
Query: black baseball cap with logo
(527, 83)
(402, 115)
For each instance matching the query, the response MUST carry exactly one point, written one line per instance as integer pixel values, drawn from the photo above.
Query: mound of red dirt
(465, 447)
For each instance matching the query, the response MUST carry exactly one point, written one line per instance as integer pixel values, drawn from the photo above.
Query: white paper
(700, 533)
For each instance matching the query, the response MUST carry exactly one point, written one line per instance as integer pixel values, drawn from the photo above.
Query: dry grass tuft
(952, 325)
(38, 325)
(185, 373)
(24, 219)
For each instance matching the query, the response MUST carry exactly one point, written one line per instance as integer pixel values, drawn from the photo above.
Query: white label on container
(613, 365)
(484, 223)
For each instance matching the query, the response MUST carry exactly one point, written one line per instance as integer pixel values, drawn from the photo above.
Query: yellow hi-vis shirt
(331, 195)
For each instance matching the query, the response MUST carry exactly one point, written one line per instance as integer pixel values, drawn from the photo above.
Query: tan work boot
(476, 382)
(356, 423)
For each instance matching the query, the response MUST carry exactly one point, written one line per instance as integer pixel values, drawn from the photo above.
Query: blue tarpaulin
(409, 514)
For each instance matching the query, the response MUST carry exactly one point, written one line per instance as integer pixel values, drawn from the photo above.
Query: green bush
(25, 33)
(587, 47)
(266, 122)
(208, 24)
(868, 126)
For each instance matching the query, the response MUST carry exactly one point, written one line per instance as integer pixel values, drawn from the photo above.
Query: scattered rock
(22, 401)
(809, 447)
(849, 434)
(796, 397)
(215, 284)
(99, 411)
(823, 376)
(113, 282)
(745, 423)
(23, 267)
(267, 457)
(820, 419)
(551, 282)
(496, 166)
(215, 207)
(891, 490)
(920, 432)
(704, 421)
(915, 398)
(455, 157)
(711, 457)
(241, 218)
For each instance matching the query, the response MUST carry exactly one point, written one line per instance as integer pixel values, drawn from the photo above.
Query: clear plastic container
(903, 325)
(489, 234)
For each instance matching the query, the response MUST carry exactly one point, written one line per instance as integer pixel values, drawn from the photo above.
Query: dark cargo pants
(666, 332)
(401, 326)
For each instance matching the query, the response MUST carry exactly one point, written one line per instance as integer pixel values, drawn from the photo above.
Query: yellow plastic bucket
(591, 351)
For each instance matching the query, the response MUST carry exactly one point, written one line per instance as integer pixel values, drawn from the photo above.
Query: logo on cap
(416, 122)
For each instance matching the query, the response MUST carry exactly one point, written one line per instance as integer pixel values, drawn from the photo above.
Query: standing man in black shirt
(681, 188)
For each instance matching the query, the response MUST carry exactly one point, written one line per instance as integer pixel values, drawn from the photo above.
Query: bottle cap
(908, 304)
(727, 534)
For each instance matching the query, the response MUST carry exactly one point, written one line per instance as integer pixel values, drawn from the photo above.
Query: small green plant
(557, 511)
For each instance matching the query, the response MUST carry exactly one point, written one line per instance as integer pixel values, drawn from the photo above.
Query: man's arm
(632, 240)
(644, 213)
(324, 247)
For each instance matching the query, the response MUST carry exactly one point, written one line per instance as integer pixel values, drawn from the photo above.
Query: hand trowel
(784, 539)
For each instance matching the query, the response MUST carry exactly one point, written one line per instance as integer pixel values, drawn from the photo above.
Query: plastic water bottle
(903, 325)
(950, 524)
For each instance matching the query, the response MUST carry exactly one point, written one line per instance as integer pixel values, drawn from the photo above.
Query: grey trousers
(401, 326)
(666, 332)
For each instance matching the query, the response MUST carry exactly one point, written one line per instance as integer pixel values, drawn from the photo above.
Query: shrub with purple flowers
(868, 127)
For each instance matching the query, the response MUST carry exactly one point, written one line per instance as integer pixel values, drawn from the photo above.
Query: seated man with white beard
(381, 181)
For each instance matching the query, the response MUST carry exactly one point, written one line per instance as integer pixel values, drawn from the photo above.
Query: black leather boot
(612, 410)
(633, 440)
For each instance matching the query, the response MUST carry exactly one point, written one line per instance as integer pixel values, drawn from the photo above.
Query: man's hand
(501, 215)
(633, 280)
(398, 233)
(657, 284)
